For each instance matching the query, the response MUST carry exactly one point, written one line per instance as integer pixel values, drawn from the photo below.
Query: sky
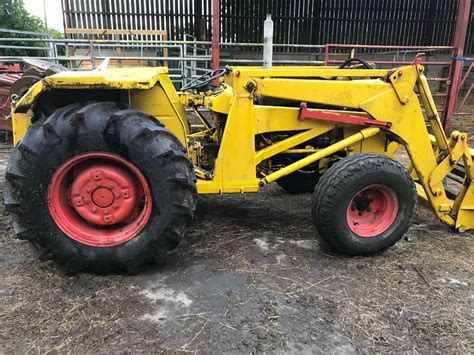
(54, 15)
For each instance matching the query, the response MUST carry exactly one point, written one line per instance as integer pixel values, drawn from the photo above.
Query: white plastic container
(268, 42)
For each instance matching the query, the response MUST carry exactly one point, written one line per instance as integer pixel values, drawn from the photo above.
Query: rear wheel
(363, 204)
(99, 187)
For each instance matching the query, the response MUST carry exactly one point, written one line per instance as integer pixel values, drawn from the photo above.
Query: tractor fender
(119, 78)
(150, 90)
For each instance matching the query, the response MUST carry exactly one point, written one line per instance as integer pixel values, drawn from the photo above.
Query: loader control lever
(205, 80)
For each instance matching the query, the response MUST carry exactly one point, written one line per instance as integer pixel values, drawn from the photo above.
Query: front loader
(107, 165)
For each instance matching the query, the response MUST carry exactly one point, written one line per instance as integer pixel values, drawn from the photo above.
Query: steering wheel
(355, 60)
(204, 80)
(352, 61)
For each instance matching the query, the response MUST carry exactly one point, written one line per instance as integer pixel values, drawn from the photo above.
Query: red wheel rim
(372, 210)
(99, 199)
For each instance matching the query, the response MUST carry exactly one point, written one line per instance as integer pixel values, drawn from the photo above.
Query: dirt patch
(249, 277)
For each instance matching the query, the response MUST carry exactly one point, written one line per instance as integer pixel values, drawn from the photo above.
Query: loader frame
(379, 110)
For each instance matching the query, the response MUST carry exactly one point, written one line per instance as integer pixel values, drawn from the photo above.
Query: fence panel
(388, 22)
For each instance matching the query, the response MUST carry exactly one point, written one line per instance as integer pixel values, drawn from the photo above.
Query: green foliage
(55, 33)
(14, 16)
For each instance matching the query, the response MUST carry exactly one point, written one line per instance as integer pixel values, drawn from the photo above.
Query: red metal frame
(458, 111)
(6, 82)
(464, 11)
(306, 113)
(328, 46)
(216, 34)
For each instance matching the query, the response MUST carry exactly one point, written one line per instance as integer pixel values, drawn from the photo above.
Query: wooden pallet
(94, 33)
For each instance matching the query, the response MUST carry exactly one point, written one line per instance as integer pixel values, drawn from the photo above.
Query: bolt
(106, 212)
(125, 193)
(116, 206)
(78, 201)
(438, 192)
(461, 229)
(405, 100)
(400, 73)
(94, 209)
(97, 175)
(108, 219)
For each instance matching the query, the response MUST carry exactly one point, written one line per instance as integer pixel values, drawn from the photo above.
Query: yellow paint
(115, 78)
(20, 124)
(162, 101)
(220, 101)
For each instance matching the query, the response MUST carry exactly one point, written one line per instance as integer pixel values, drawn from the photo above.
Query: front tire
(363, 204)
(99, 187)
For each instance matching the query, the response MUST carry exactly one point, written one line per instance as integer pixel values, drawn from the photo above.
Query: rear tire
(363, 204)
(131, 137)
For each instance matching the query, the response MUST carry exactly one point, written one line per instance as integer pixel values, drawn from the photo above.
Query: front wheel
(100, 187)
(363, 204)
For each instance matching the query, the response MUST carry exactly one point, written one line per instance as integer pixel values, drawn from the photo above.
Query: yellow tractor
(108, 164)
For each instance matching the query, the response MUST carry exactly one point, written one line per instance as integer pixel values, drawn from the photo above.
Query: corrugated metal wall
(389, 22)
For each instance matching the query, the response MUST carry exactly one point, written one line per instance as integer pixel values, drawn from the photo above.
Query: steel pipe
(323, 153)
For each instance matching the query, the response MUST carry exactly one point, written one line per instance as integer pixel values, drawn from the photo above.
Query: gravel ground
(250, 276)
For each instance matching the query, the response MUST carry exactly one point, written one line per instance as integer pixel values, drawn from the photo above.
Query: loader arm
(425, 152)
(384, 101)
